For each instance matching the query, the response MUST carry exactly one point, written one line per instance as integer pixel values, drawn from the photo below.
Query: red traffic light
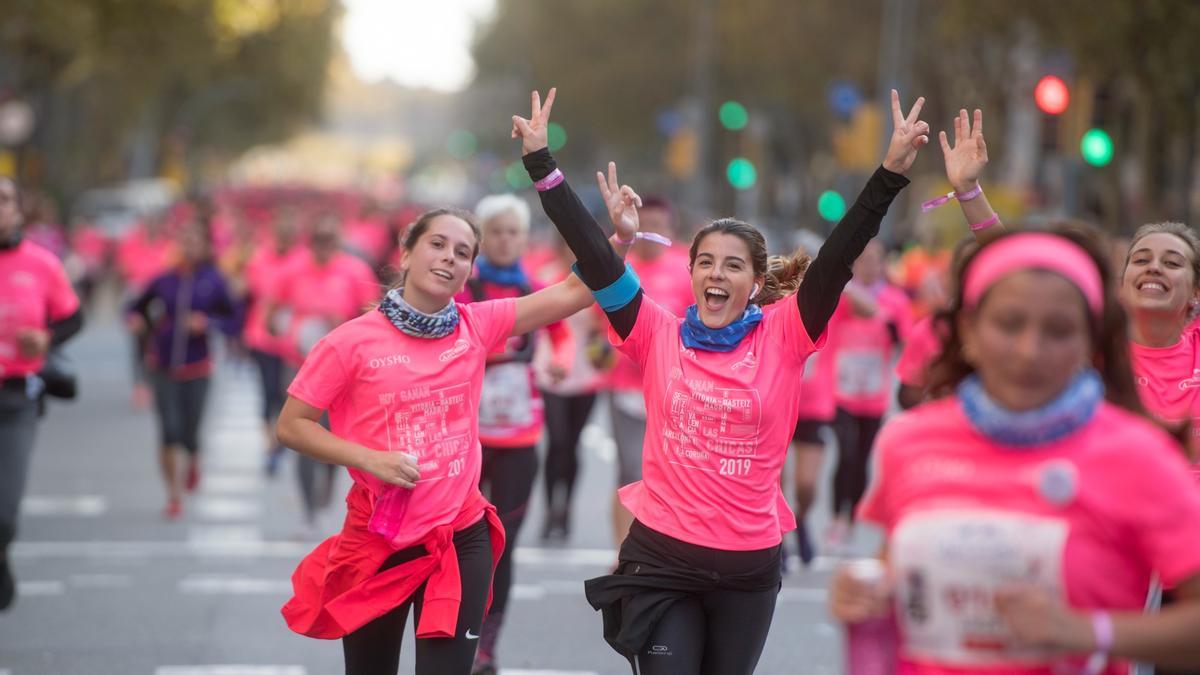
(1052, 95)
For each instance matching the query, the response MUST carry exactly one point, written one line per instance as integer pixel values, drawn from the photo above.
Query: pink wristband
(987, 223)
(648, 236)
(550, 182)
(960, 196)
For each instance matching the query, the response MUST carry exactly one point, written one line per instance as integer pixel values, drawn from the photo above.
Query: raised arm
(828, 274)
(964, 164)
(599, 261)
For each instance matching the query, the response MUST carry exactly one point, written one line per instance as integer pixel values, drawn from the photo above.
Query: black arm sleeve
(599, 264)
(827, 275)
(61, 331)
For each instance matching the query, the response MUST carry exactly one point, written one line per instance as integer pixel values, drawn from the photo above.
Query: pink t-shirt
(316, 298)
(1090, 518)
(718, 425)
(34, 292)
(817, 402)
(1168, 379)
(861, 350)
(920, 350)
(666, 279)
(140, 259)
(262, 277)
(392, 392)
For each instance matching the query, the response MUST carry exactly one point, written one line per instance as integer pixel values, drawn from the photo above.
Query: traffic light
(733, 115)
(1096, 147)
(1051, 95)
(831, 205)
(741, 173)
(556, 136)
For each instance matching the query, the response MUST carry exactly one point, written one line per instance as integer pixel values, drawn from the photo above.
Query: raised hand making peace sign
(532, 131)
(622, 203)
(908, 135)
(965, 161)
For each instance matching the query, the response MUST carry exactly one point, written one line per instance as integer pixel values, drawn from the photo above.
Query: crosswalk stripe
(230, 670)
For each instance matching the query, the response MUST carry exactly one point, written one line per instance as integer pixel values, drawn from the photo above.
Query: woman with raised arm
(697, 577)
(401, 384)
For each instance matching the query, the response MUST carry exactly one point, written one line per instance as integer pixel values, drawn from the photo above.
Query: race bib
(947, 567)
(309, 332)
(507, 398)
(860, 372)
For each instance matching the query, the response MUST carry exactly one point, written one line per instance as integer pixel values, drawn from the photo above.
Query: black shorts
(809, 431)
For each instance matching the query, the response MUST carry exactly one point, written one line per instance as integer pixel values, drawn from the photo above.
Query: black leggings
(374, 649)
(270, 373)
(855, 436)
(507, 480)
(180, 408)
(717, 632)
(565, 419)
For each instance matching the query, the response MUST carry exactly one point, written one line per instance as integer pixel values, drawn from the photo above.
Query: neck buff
(696, 335)
(511, 275)
(1062, 416)
(411, 321)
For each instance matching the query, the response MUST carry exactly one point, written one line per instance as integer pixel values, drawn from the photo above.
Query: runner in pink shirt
(1028, 509)
(871, 321)
(697, 577)
(144, 252)
(38, 311)
(320, 289)
(269, 262)
(662, 271)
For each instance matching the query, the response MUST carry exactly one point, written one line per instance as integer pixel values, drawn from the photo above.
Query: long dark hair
(1110, 338)
(781, 274)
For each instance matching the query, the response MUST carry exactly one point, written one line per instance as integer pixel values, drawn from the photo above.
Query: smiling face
(723, 278)
(439, 262)
(1159, 276)
(1027, 339)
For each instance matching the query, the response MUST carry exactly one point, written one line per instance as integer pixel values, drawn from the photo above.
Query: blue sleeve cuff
(617, 294)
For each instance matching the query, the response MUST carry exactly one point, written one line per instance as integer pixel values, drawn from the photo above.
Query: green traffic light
(462, 144)
(831, 206)
(741, 173)
(733, 115)
(516, 176)
(556, 136)
(1096, 147)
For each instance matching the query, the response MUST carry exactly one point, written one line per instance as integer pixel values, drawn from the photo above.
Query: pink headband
(1034, 250)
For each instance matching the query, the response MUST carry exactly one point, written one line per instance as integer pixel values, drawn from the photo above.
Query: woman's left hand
(909, 134)
(1039, 619)
(33, 343)
(622, 203)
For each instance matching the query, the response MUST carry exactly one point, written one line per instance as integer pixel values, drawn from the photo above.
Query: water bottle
(387, 518)
(872, 645)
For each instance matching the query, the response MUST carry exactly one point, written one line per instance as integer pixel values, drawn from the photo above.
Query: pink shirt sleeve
(61, 301)
(1164, 507)
(492, 319)
(323, 377)
(651, 319)
(786, 327)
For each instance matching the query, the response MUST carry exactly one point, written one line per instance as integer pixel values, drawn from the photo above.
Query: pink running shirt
(392, 392)
(1091, 518)
(861, 350)
(1168, 379)
(922, 347)
(34, 292)
(718, 425)
(667, 280)
(318, 298)
(261, 276)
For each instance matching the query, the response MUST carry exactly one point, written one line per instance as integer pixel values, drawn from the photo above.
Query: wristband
(986, 224)
(617, 294)
(648, 236)
(960, 196)
(551, 181)
(1102, 631)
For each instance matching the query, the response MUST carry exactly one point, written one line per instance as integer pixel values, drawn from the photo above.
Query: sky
(417, 43)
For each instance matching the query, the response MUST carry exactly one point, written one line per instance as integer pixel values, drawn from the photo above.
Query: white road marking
(524, 671)
(219, 534)
(231, 670)
(233, 585)
(101, 580)
(227, 508)
(88, 506)
(250, 483)
(802, 594)
(32, 588)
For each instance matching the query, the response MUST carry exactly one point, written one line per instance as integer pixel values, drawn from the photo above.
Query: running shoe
(8, 585)
(174, 509)
(193, 476)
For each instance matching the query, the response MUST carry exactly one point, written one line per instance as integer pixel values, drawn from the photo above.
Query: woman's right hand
(533, 131)
(395, 468)
(622, 203)
(852, 600)
(965, 161)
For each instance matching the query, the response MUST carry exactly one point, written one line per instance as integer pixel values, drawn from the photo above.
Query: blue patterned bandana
(512, 275)
(1060, 417)
(698, 336)
(416, 323)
